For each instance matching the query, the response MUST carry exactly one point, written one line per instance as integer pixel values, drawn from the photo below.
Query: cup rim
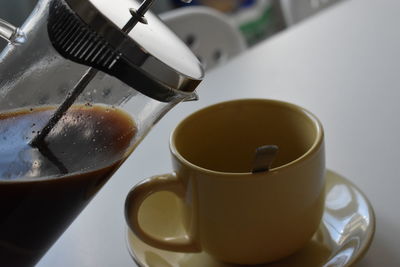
(309, 153)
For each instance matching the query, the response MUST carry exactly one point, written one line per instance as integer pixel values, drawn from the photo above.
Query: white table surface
(343, 65)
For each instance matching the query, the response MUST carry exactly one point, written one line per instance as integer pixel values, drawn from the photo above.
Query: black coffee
(43, 190)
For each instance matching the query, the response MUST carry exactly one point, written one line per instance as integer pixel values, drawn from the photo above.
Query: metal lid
(151, 58)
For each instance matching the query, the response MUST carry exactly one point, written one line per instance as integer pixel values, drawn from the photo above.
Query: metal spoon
(264, 157)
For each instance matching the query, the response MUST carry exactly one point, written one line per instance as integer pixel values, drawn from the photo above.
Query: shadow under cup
(224, 137)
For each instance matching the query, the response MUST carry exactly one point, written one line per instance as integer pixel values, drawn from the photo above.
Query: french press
(68, 54)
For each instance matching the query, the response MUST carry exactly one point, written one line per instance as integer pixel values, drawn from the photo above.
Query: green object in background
(256, 19)
(255, 30)
(259, 21)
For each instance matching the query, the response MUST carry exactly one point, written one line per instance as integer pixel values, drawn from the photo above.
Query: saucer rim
(370, 235)
(361, 252)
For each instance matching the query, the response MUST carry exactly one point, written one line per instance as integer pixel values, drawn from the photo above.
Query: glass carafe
(42, 189)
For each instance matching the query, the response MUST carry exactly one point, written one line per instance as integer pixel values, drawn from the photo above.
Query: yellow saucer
(345, 234)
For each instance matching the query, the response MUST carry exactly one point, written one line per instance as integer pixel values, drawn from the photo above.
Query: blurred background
(236, 25)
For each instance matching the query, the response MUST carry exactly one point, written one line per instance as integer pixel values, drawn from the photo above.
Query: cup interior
(225, 136)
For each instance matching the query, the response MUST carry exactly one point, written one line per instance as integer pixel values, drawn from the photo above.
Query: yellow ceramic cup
(233, 214)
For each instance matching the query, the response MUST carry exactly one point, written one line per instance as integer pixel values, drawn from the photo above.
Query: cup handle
(135, 198)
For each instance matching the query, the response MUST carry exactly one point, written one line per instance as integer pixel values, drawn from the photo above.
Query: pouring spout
(193, 97)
